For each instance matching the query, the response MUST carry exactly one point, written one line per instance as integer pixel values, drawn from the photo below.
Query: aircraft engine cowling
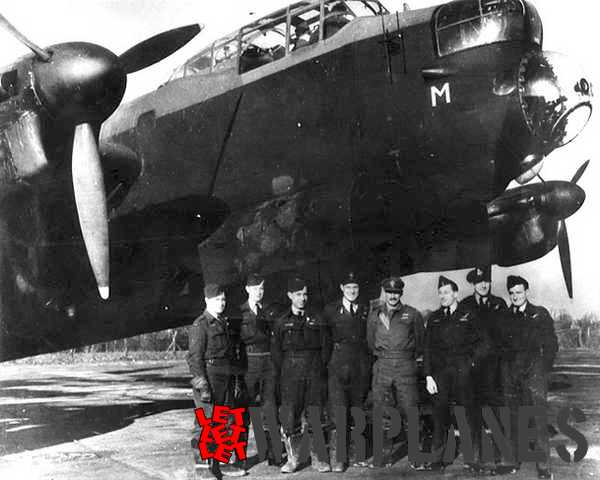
(529, 221)
(527, 241)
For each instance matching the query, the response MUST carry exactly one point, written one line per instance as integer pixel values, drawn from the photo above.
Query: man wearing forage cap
(392, 331)
(214, 363)
(528, 349)
(349, 360)
(299, 358)
(255, 334)
(453, 345)
(491, 311)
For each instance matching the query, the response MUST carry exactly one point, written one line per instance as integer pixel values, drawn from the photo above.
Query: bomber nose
(555, 96)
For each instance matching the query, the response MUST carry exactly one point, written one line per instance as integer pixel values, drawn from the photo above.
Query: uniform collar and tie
(297, 313)
(255, 307)
(520, 309)
(391, 310)
(482, 301)
(450, 310)
(351, 307)
(215, 317)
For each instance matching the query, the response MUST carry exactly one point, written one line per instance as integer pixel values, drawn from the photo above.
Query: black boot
(271, 458)
(235, 467)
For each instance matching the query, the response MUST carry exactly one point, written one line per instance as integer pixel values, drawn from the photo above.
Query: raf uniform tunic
(213, 354)
(299, 360)
(490, 316)
(392, 338)
(453, 342)
(255, 333)
(528, 349)
(349, 362)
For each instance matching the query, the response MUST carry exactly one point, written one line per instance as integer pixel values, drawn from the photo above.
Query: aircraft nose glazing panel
(555, 97)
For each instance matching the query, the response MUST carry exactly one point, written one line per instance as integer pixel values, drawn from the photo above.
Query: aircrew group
(476, 353)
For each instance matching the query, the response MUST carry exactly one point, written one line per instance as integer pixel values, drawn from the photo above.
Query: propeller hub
(555, 199)
(562, 199)
(82, 82)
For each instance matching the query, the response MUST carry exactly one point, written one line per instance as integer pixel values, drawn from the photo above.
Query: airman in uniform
(529, 347)
(490, 311)
(299, 358)
(453, 345)
(391, 337)
(213, 359)
(255, 334)
(349, 364)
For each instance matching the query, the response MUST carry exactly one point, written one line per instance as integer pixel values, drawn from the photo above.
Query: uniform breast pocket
(248, 330)
(217, 341)
(292, 337)
(312, 336)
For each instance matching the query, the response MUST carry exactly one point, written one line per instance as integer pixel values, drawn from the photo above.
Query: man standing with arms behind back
(349, 362)
(255, 333)
(297, 347)
(490, 311)
(529, 346)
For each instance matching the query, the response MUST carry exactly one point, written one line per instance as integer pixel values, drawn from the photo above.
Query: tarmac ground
(132, 420)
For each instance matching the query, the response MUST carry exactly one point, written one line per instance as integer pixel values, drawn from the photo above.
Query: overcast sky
(569, 27)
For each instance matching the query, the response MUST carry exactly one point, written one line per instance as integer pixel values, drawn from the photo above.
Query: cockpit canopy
(278, 35)
(471, 23)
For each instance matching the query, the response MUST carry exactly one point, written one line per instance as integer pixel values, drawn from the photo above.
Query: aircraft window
(262, 46)
(8, 85)
(337, 16)
(304, 29)
(365, 8)
(198, 64)
(471, 23)
(535, 25)
(225, 55)
(177, 73)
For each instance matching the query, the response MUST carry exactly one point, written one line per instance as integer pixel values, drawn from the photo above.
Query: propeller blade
(565, 256)
(90, 198)
(580, 171)
(156, 48)
(40, 52)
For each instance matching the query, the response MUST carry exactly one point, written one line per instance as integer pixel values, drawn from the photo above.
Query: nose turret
(555, 97)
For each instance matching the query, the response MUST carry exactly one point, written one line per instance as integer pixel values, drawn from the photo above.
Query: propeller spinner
(82, 84)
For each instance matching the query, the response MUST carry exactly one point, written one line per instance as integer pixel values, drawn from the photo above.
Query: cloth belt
(357, 344)
(301, 353)
(258, 354)
(255, 348)
(395, 355)
(219, 362)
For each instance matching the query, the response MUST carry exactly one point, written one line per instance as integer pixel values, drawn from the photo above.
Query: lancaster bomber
(325, 134)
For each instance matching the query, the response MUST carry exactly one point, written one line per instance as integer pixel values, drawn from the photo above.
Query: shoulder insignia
(535, 315)
(291, 324)
(464, 318)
